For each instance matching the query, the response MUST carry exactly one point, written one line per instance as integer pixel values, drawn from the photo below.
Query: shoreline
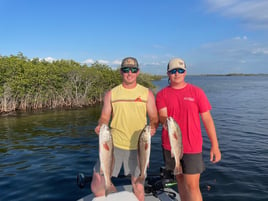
(233, 74)
(229, 74)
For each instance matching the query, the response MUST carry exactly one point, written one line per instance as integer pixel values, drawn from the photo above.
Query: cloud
(101, 61)
(50, 59)
(240, 38)
(260, 50)
(252, 14)
(116, 62)
(231, 55)
(88, 61)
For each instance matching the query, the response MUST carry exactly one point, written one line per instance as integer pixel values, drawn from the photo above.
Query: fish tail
(109, 189)
(140, 179)
(178, 170)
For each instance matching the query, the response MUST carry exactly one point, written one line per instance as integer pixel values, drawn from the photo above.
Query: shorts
(127, 158)
(191, 163)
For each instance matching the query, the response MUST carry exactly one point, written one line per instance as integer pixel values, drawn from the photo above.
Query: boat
(157, 188)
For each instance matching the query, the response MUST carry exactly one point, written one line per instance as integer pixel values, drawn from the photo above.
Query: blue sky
(212, 36)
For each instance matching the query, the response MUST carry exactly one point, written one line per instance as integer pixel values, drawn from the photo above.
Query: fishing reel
(82, 180)
(158, 184)
(166, 174)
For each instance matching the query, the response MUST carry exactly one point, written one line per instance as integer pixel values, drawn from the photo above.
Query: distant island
(229, 74)
(237, 74)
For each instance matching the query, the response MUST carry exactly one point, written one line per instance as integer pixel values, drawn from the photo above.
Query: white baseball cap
(176, 63)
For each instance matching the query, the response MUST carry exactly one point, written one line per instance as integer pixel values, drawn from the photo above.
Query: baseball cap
(176, 63)
(129, 62)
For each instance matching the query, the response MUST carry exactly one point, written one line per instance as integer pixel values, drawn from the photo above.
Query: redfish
(175, 139)
(106, 155)
(144, 150)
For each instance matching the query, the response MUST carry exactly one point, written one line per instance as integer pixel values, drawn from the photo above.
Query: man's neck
(178, 85)
(129, 85)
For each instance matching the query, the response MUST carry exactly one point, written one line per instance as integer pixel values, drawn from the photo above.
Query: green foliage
(146, 79)
(37, 84)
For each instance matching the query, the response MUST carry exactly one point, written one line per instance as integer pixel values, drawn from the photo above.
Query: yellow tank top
(129, 115)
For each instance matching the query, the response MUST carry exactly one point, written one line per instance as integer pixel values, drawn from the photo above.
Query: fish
(106, 156)
(175, 139)
(144, 150)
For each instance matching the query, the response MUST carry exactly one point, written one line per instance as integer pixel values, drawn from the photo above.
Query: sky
(211, 36)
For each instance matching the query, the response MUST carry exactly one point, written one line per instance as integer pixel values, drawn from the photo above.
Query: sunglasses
(179, 70)
(127, 69)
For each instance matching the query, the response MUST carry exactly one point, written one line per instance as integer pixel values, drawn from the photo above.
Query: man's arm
(106, 112)
(163, 115)
(152, 112)
(215, 154)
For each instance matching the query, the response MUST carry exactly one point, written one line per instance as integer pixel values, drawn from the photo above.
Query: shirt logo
(138, 99)
(189, 99)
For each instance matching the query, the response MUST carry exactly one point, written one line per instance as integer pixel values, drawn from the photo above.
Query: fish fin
(175, 136)
(106, 146)
(146, 146)
(110, 189)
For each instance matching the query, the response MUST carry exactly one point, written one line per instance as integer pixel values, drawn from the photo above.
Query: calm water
(41, 152)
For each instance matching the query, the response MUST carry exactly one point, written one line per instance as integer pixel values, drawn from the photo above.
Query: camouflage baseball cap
(129, 62)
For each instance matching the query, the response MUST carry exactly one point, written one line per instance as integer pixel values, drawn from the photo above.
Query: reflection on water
(41, 152)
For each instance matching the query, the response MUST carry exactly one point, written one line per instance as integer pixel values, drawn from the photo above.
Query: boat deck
(125, 193)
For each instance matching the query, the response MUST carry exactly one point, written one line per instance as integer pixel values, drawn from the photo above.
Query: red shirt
(184, 105)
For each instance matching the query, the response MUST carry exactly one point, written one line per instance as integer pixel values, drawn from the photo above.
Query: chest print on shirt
(189, 99)
(138, 99)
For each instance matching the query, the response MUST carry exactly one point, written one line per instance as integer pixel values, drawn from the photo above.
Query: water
(41, 152)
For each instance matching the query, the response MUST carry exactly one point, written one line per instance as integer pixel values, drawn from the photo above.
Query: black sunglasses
(127, 69)
(179, 70)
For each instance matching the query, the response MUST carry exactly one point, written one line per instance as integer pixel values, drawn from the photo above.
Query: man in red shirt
(185, 103)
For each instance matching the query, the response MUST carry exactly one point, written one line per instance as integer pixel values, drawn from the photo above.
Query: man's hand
(97, 129)
(215, 155)
(153, 131)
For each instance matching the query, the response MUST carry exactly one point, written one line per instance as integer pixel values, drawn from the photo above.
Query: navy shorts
(191, 163)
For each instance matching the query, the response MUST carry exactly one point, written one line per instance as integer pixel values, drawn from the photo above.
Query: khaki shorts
(127, 158)
(191, 163)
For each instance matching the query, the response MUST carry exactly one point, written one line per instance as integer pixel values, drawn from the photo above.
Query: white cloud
(49, 59)
(238, 54)
(103, 61)
(260, 50)
(116, 62)
(252, 14)
(88, 61)
(155, 63)
(240, 38)
(215, 5)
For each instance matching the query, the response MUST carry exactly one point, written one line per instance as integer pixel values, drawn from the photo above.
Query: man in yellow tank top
(127, 105)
